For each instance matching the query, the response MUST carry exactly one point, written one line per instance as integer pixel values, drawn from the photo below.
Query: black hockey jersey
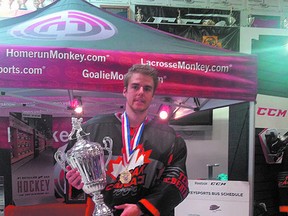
(158, 180)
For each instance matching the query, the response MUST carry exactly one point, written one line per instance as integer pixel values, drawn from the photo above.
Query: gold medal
(125, 177)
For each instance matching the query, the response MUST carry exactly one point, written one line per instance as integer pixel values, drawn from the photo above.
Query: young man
(150, 154)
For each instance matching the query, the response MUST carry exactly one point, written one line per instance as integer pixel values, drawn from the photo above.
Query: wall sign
(208, 197)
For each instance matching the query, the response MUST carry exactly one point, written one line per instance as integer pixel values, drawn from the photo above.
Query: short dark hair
(142, 69)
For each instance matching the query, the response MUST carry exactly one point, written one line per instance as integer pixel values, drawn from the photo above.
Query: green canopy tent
(74, 48)
(75, 45)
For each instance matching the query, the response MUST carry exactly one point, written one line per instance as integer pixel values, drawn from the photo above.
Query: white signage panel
(271, 112)
(212, 197)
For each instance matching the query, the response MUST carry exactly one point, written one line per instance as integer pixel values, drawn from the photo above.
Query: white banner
(209, 197)
(271, 112)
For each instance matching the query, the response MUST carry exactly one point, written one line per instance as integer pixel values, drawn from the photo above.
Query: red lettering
(261, 111)
(282, 113)
(135, 172)
(183, 178)
(141, 170)
(183, 188)
(118, 185)
(166, 180)
(137, 180)
(178, 184)
(132, 182)
(271, 112)
(138, 171)
(173, 181)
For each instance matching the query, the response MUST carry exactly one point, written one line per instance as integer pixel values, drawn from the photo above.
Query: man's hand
(129, 210)
(74, 178)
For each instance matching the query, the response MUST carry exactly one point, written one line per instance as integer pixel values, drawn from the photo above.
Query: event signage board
(31, 159)
(271, 115)
(103, 70)
(74, 45)
(271, 112)
(212, 197)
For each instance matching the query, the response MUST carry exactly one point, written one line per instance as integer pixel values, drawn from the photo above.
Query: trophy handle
(108, 144)
(61, 159)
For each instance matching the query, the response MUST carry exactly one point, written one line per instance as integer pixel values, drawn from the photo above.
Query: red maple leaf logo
(138, 158)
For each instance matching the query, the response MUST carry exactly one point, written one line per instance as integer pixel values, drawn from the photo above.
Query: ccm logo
(263, 111)
(218, 183)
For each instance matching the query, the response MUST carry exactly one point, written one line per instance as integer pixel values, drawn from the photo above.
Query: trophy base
(100, 209)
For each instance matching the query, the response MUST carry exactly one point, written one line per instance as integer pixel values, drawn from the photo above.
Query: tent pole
(251, 156)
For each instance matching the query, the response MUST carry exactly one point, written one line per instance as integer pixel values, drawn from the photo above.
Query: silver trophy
(250, 20)
(231, 19)
(178, 18)
(88, 158)
(139, 16)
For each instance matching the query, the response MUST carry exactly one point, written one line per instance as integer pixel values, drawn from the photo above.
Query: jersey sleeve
(173, 186)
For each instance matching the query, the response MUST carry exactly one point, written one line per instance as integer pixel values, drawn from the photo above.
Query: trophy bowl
(88, 158)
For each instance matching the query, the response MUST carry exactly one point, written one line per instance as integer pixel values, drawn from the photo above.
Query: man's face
(139, 93)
